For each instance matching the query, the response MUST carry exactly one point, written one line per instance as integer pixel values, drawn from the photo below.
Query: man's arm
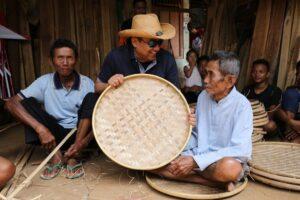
(188, 71)
(14, 106)
(100, 86)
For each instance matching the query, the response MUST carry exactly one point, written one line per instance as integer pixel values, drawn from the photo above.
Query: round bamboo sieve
(143, 124)
(191, 190)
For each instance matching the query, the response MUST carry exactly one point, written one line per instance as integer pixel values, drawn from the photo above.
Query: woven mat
(294, 181)
(254, 102)
(143, 124)
(274, 183)
(257, 138)
(191, 190)
(278, 158)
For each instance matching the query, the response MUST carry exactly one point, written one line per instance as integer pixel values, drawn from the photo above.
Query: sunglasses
(152, 43)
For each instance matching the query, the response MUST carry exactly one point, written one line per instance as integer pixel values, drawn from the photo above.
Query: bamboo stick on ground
(28, 180)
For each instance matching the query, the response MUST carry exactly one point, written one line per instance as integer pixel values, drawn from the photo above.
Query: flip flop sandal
(73, 171)
(50, 168)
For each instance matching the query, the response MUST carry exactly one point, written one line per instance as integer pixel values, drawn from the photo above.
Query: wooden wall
(275, 36)
(91, 24)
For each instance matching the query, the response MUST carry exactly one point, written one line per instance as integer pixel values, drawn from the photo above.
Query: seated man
(220, 146)
(261, 90)
(290, 111)
(7, 171)
(61, 93)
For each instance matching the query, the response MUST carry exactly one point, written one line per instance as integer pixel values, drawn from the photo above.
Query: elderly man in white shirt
(220, 146)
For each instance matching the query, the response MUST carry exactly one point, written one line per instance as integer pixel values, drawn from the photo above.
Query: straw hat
(148, 26)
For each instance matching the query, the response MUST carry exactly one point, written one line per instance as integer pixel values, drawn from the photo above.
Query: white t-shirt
(194, 79)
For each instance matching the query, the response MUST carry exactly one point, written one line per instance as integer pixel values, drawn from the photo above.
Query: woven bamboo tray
(254, 102)
(260, 122)
(274, 177)
(260, 116)
(259, 132)
(191, 190)
(257, 138)
(143, 124)
(258, 129)
(277, 184)
(278, 158)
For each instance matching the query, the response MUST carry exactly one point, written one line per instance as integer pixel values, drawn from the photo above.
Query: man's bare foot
(230, 186)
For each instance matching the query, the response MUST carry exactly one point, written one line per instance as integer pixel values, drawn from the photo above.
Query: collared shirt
(58, 101)
(223, 129)
(122, 61)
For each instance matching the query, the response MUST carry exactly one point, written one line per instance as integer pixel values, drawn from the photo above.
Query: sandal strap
(72, 168)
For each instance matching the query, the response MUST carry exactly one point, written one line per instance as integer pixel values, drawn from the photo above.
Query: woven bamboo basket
(274, 177)
(257, 138)
(191, 190)
(143, 124)
(260, 122)
(274, 183)
(278, 158)
(260, 116)
(254, 102)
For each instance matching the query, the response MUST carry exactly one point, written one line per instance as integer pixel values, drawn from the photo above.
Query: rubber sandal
(50, 168)
(73, 171)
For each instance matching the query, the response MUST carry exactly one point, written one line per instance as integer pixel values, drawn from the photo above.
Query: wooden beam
(274, 35)
(260, 34)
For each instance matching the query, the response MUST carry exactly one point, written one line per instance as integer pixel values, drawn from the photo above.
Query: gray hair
(228, 62)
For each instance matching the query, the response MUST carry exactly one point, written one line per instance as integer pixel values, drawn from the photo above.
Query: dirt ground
(106, 180)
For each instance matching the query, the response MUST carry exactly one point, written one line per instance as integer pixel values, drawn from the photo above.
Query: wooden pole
(28, 179)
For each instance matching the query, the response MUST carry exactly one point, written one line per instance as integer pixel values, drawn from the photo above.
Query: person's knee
(7, 171)
(228, 169)
(270, 126)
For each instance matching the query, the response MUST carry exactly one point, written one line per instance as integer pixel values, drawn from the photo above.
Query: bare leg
(191, 178)
(223, 173)
(7, 171)
(84, 127)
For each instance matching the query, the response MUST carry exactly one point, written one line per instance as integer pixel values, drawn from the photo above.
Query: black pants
(87, 106)
(36, 111)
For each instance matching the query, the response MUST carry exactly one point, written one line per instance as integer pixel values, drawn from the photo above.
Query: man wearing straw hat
(142, 55)
(220, 145)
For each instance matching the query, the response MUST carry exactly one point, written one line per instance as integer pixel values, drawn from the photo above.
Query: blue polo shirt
(122, 61)
(59, 102)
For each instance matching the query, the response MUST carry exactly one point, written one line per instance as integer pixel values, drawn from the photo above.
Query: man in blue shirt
(142, 55)
(221, 145)
(61, 94)
(290, 108)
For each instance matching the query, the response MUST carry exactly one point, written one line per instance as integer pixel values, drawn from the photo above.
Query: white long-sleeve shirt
(223, 129)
